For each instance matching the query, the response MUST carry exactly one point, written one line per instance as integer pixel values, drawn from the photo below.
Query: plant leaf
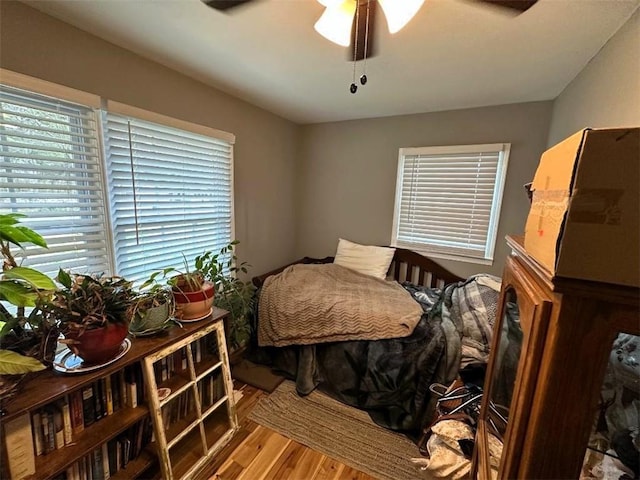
(13, 234)
(12, 363)
(17, 294)
(33, 237)
(10, 218)
(35, 278)
(64, 278)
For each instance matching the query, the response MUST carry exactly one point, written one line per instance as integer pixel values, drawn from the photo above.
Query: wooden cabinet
(552, 346)
(122, 420)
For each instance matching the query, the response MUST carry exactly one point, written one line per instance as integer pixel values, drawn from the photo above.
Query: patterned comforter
(390, 378)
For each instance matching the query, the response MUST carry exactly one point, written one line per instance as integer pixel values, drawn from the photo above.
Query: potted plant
(192, 293)
(232, 294)
(153, 308)
(93, 313)
(27, 341)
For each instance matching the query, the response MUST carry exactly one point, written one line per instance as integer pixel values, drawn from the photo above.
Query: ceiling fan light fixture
(330, 3)
(399, 13)
(336, 22)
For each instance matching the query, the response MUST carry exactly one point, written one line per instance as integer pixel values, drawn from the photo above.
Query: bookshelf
(74, 452)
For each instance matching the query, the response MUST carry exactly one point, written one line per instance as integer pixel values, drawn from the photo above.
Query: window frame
(98, 105)
(431, 249)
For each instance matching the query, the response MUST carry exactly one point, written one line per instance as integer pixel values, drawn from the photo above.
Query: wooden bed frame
(407, 266)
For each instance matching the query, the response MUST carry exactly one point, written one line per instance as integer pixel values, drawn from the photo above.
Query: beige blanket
(308, 304)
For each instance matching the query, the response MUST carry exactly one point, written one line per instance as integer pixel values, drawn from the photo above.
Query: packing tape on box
(550, 204)
(599, 206)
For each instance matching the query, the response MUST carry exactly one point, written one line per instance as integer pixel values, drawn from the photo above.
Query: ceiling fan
(351, 23)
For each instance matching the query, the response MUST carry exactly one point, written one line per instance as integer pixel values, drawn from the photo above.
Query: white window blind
(170, 194)
(448, 200)
(50, 171)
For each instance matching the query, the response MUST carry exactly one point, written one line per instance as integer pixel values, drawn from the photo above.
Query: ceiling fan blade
(363, 27)
(518, 5)
(224, 4)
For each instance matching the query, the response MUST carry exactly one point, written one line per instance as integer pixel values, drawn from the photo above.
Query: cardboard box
(584, 220)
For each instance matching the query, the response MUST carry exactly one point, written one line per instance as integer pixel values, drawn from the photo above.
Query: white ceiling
(454, 53)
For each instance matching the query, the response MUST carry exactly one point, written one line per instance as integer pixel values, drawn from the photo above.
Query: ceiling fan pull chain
(363, 77)
(353, 88)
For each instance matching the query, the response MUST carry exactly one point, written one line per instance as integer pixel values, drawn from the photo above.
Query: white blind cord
(133, 183)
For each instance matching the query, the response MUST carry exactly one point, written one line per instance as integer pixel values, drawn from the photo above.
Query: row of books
(112, 456)
(205, 348)
(57, 424)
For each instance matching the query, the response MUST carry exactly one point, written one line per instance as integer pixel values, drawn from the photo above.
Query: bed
(390, 378)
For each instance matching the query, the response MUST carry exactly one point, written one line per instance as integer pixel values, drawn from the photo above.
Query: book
(73, 471)
(116, 394)
(97, 399)
(38, 439)
(126, 451)
(131, 388)
(106, 474)
(20, 457)
(58, 425)
(76, 411)
(198, 346)
(108, 394)
(48, 430)
(96, 465)
(66, 420)
(164, 369)
(124, 398)
(119, 450)
(132, 394)
(88, 406)
(112, 448)
(82, 468)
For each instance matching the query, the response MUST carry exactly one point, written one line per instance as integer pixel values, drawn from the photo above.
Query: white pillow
(366, 259)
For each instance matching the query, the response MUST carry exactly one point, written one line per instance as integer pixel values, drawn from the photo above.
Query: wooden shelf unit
(43, 388)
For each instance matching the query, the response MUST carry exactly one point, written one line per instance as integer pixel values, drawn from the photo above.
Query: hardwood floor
(259, 453)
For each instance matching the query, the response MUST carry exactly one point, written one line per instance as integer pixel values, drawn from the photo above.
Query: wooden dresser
(551, 349)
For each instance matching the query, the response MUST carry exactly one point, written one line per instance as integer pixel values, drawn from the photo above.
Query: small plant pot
(152, 319)
(98, 345)
(194, 305)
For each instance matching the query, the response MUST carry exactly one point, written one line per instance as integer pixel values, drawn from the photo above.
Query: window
(50, 170)
(169, 194)
(448, 200)
(152, 196)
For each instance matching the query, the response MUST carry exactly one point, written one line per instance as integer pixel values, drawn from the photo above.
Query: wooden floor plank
(274, 447)
(329, 469)
(286, 463)
(349, 473)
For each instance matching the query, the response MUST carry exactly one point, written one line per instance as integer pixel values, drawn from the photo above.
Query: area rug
(338, 431)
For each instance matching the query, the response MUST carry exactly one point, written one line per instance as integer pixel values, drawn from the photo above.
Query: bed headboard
(406, 266)
(409, 266)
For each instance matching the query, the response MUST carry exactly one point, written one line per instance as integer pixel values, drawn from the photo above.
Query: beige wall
(606, 93)
(266, 145)
(347, 177)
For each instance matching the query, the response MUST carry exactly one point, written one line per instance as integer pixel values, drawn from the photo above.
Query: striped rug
(338, 431)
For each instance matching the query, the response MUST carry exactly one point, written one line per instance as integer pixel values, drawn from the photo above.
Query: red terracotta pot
(99, 345)
(192, 305)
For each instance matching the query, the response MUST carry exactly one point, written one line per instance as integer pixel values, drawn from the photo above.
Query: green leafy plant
(89, 302)
(148, 299)
(26, 340)
(232, 293)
